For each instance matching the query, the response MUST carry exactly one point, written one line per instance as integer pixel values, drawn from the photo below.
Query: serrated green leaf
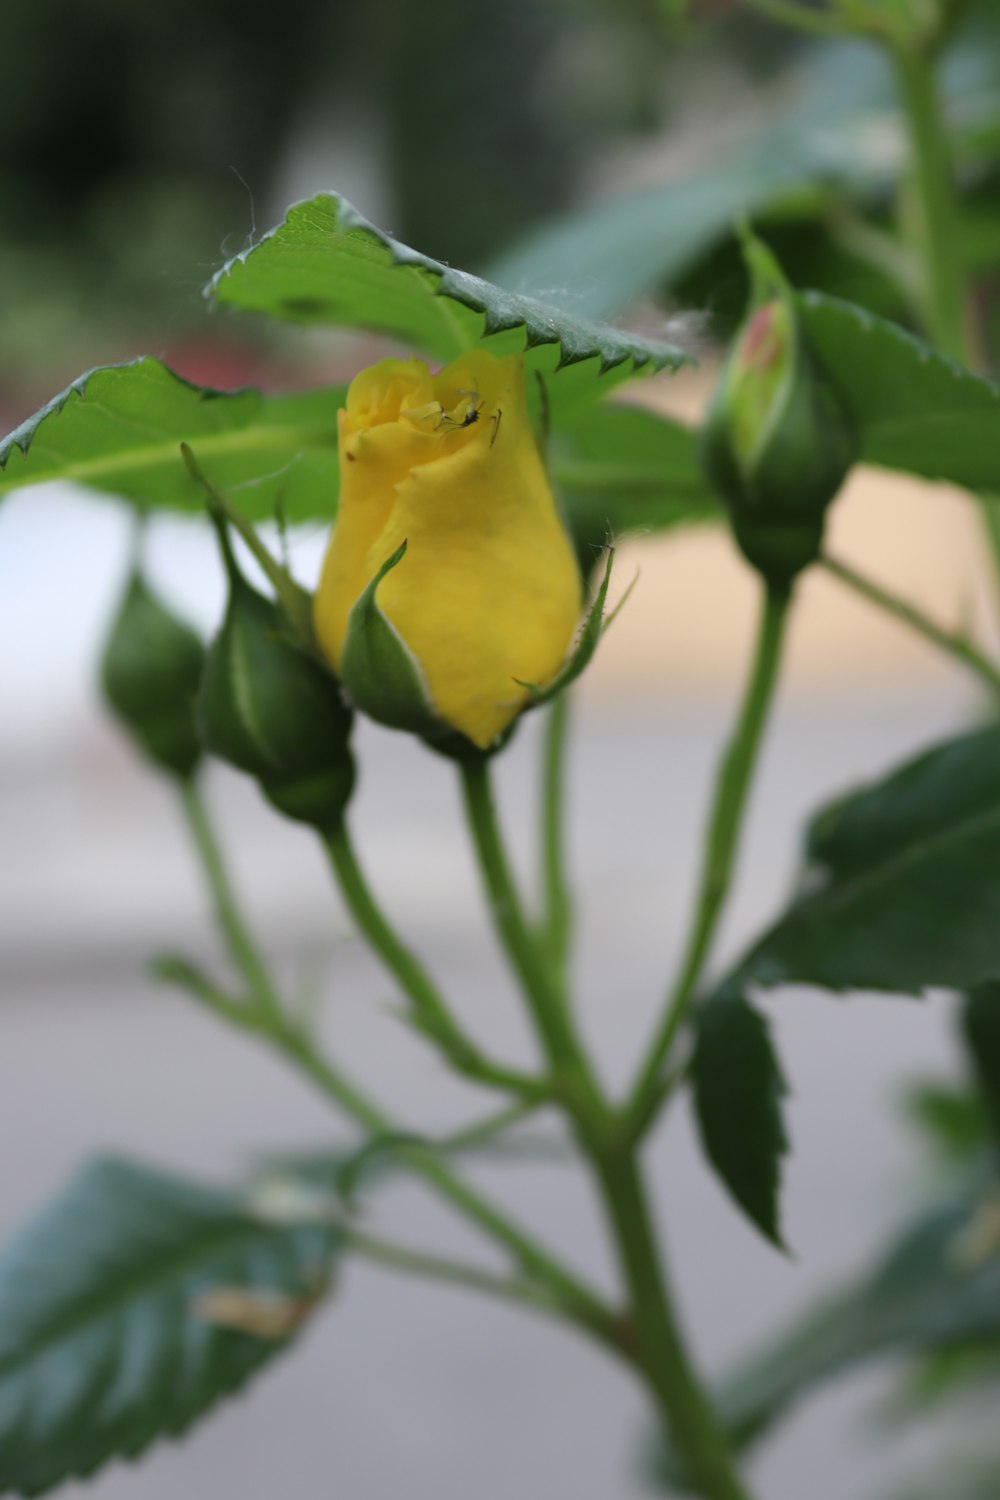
(930, 1291)
(327, 264)
(118, 429)
(911, 408)
(902, 888)
(622, 469)
(738, 1092)
(108, 1334)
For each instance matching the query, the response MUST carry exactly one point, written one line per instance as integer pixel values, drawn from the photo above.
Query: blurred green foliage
(139, 144)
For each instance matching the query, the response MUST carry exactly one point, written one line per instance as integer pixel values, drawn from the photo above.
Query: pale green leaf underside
(327, 264)
(102, 1345)
(118, 429)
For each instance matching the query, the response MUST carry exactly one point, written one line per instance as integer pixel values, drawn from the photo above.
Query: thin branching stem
(733, 784)
(958, 647)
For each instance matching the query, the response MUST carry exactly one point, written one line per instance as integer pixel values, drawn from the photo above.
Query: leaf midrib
(140, 1284)
(253, 438)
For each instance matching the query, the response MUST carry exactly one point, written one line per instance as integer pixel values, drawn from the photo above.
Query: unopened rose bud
(449, 582)
(150, 671)
(777, 444)
(270, 709)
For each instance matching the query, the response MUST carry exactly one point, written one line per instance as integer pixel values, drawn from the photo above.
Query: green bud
(150, 671)
(777, 444)
(267, 706)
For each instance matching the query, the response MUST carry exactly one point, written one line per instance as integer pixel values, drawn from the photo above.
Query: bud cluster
(256, 698)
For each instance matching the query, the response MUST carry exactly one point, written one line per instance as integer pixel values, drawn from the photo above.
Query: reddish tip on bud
(776, 445)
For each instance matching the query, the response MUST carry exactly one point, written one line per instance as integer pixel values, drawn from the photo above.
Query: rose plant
(475, 489)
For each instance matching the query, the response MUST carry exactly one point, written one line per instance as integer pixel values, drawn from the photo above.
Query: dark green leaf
(911, 408)
(981, 1026)
(937, 1288)
(738, 1089)
(953, 1118)
(327, 264)
(623, 469)
(902, 888)
(122, 1311)
(118, 429)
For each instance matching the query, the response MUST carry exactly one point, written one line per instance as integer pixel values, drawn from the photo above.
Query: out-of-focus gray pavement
(400, 1388)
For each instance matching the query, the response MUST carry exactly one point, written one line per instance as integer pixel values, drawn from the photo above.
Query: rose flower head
(449, 582)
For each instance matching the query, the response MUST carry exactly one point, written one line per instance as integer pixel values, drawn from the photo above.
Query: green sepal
(379, 671)
(580, 657)
(454, 745)
(150, 670)
(777, 443)
(269, 708)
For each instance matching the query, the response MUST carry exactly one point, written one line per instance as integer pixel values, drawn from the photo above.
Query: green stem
(733, 784)
(242, 948)
(432, 1014)
(542, 992)
(935, 200)
(481, 1132)
(687, 1412)
(938, 240)
(557, 924)
(580, 1303)
(659, 1347)
(441, 1268)
(956, 646)
(265, 1018)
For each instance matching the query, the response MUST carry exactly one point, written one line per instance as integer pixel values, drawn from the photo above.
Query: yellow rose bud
(486, 595)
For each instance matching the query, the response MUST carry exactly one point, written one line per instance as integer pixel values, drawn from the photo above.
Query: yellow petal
(488, 594)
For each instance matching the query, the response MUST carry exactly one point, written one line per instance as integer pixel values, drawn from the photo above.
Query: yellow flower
(487, 595)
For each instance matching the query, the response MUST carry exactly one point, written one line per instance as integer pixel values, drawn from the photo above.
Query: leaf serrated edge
(23, 435)
(460, 286)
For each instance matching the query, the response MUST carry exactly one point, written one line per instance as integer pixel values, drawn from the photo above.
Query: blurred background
(141, 145)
